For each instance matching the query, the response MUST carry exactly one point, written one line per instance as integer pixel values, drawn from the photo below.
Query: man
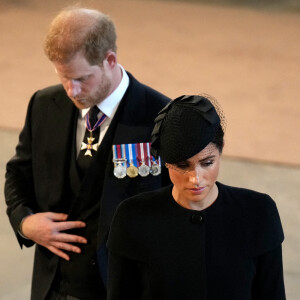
(65, 180)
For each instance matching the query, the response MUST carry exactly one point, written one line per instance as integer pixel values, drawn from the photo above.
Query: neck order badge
(92, 123)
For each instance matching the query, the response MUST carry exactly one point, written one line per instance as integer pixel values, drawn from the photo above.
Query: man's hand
(46, 229)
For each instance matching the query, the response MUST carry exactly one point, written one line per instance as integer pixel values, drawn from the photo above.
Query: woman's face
(194, 179)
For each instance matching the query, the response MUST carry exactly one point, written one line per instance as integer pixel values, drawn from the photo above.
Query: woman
(196, 239)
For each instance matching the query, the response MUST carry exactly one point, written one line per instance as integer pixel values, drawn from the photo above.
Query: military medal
(119, 161)
(90, 146)
(144, 170)
(155, 167)
(120, 169)
(133, 160)
(132, 171)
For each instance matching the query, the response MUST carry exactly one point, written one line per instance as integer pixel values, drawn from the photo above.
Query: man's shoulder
(147, 91)
(51, 95)
(144, 101)
(53, 90)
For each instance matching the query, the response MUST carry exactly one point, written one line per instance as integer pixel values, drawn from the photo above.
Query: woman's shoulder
(259, 214)
(246, 197)
(256, 208)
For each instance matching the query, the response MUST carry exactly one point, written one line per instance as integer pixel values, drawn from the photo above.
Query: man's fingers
(59, 252)
(57, 248)
(57, 216)
(61, 226)
(70, 238)
(65, 246)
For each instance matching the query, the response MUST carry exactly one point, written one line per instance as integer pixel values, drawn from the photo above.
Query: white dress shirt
(108, 106)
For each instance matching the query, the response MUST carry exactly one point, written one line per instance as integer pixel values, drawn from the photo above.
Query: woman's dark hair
(186, 126)
(218, 139)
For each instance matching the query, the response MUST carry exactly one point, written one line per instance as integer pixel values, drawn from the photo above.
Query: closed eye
(207, 163)
(182, 166)
(83, 78)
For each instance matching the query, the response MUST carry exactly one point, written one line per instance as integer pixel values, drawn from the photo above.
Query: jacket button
(93, 262)
(196, 219)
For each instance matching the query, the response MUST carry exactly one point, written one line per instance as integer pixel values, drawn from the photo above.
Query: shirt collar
(110, 104)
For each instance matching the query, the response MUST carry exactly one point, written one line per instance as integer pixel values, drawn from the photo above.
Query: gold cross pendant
(89, 146)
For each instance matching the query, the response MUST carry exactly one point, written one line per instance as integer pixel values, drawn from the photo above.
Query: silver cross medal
(89, 146)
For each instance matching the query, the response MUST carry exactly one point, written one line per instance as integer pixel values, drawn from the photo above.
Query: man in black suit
(65, 181)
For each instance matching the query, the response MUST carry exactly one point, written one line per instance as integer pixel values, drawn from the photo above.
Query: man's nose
(73, 88)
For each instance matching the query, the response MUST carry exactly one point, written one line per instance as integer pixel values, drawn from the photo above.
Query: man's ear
(111, 58)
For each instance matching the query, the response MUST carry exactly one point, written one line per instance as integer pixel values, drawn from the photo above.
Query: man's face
(85, 84)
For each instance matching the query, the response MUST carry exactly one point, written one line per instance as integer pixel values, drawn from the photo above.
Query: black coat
(38, 176)
(229, 251)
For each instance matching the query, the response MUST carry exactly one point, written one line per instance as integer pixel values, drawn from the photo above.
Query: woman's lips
(198, 190)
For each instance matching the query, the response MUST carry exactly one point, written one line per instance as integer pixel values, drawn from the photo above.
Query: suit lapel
(75, 179)
(58, 142)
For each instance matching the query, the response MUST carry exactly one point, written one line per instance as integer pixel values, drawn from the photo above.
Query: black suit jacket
(38, 176)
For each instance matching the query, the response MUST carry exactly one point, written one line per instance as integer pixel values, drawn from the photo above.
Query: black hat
(183, 128)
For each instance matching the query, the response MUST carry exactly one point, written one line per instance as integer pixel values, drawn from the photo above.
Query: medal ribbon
(125, 153)
(97, 124)
(115, 153)
(138, 154)
(119, 161)
(132, 154)
(142, 157)
(148, 154)
(135, 154)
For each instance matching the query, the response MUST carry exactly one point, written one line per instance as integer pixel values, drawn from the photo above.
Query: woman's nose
(195, 175)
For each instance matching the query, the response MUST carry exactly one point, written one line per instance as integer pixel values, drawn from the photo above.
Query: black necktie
(85, 155)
